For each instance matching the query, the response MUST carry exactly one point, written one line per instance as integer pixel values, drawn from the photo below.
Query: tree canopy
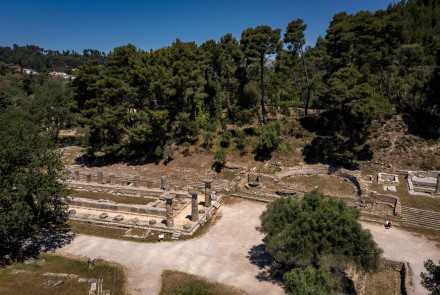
(431, 279)
(304, 234)
(31, 194)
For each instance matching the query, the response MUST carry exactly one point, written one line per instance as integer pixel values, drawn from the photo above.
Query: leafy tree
(431, 279)
(310, 281)
(49, 106)
(31, 195)
(257, 43)
(220, 158)
(269, 138)
(301, 232)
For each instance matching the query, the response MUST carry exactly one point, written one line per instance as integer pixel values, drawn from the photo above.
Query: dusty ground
(220, 255)
(403, 246)
(223, 253)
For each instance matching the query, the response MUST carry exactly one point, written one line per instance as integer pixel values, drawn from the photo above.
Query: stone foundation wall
(405, 273)
(115, 189)
(140, 209)
(352, 178)
(387, 199)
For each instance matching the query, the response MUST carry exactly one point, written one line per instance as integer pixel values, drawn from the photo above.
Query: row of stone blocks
(137, 181)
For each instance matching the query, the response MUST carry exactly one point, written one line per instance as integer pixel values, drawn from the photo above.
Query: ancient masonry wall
(387, 199)
(140, 209)
(405, 273)
(327, 170)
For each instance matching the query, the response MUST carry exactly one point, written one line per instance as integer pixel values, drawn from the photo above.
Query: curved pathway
(404, 246)
(221, 254)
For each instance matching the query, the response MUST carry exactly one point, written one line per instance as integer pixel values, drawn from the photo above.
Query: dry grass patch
(180, 283)
(113, 198)
(329, 185)
(96, 230)
(33, 281)
(387, 281)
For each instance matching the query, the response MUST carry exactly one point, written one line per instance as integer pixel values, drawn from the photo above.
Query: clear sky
(106, 24)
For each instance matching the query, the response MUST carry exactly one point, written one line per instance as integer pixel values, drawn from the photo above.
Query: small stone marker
(152, 221)
(93, 288)
(161, 236)
(135, 220)
(103, 215)
(90, 263)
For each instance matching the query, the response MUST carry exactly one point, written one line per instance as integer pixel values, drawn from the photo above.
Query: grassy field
(33, 281)
(329, 185)
(114, 198)
(387, 281)
(180, 283)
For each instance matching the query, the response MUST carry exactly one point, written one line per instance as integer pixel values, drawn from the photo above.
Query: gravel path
(220, 255)
(404, 246)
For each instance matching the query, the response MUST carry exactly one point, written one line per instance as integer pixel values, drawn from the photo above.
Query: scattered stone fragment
(29, 261)
(57, 283)
(152, 221)
(187, 226)
(118, 218)
(40, 262)
(103, 215)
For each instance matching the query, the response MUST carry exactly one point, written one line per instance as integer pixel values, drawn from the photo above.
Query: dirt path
(220, 255)
(404, 246)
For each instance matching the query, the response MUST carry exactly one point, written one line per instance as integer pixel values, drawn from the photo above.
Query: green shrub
(220, 158)
(225, 139)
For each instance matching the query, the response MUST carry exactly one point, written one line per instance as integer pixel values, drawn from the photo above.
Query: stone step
(421, 217)
(424, 222)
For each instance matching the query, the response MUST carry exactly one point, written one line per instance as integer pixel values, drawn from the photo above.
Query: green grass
(114, 198)
(34, 282)
(180, 283)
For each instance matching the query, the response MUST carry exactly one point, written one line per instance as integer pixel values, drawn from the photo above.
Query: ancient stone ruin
(168, 213)
(424, 183)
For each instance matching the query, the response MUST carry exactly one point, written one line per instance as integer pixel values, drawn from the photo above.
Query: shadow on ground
(270, 270)
(49, 240)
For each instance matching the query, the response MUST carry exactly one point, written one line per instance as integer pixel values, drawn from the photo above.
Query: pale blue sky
(106, 24)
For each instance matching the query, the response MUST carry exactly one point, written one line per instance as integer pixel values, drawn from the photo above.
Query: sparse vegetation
(33, 281)
(180, 283)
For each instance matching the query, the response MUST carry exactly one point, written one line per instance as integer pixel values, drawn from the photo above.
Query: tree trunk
(306, 105)
(228, 100)
(263, 109)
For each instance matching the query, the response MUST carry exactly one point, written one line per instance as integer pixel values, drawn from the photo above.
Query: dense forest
(133, 103)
